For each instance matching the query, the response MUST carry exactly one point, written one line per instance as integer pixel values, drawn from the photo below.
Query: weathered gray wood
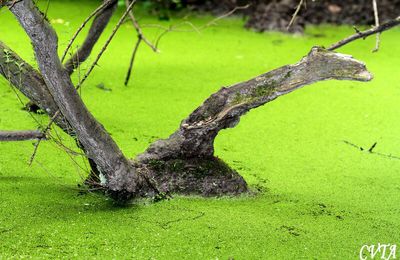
(30, 82)
(184, 162)
(100, 147)
(196, 134)
(36, 89)
(10, 136)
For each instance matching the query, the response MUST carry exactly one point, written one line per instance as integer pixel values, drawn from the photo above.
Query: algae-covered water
(320, 198)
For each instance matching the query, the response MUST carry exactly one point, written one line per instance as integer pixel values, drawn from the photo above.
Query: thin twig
(364, 34)
(376, 15)
(139, 29)
(141, 38)
(166, 30)
(213, 22)
(121, 20)
(95, 12)
(44, 134)
(370, 150)
(172, 28)
(128, 75)
(295, 14)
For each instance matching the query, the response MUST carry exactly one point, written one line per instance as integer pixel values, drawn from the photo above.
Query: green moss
(259, 91)
(288, 74)
(292, 146)
(157, 165)
(211, 167)
(176, 166)
(239, 98)
(265, 90)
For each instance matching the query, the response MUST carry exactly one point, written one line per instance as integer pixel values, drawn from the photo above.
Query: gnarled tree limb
(118, 171)
(196, 134)
(102, 15)
(185, 161)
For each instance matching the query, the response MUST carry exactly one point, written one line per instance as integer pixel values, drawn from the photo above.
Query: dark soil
(264, 15)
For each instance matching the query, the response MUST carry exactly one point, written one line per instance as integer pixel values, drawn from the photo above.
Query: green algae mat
(318, 195)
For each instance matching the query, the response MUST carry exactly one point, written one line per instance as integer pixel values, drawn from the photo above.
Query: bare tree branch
(174, 28)
(8, 136)
(141, 38)
(135, 49)
(45, 131)
(103, 15)
(121, 20)
(295, 14)
(139, 29)
(364, 34)
(376, 15)
(95, 12)
(119, 173)
(30, 82)
(195, 137)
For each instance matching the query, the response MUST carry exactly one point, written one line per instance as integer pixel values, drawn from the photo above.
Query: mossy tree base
(195, 176)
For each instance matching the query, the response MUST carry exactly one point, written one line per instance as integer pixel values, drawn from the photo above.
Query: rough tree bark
(185, 162)
(122, 180)
(22, 76)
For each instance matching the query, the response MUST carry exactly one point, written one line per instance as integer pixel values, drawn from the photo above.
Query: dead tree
(185, 162)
